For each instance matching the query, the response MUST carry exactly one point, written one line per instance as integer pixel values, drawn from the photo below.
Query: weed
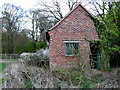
(2, 80)
(2, 66)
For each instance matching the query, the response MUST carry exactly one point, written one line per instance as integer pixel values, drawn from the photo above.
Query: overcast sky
(27, 4)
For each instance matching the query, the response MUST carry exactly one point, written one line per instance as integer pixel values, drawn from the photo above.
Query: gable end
(79, 5)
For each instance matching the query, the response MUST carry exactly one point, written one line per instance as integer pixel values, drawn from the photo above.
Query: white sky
(27, 4)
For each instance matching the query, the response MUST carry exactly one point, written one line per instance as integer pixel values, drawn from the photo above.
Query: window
(71, 49)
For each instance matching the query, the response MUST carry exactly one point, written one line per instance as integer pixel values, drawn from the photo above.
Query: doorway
(95, 59)
(115, 60)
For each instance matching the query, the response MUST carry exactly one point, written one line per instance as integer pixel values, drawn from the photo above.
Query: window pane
(71, 48)
(68, 49)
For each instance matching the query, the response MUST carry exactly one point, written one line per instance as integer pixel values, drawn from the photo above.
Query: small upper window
(71, 49)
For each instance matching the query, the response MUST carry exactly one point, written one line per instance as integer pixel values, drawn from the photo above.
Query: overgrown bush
(75, 77)
(40, 58)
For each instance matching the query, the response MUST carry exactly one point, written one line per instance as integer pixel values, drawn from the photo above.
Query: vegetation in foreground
(71, 78)
(77, 78)
(96, 79)
(39, 76)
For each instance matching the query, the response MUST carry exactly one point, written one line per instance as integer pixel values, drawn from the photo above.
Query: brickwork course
(75, 26)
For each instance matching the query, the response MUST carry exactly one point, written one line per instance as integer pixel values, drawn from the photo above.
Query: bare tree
(40, 24)
(100, 8)
(11, 15)
(54, 9)
(71, 3)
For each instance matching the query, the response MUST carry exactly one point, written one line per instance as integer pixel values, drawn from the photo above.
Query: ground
(3, 66)
(62, 77)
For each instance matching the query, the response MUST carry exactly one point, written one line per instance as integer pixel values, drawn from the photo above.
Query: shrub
(41, 58)
(31, 46)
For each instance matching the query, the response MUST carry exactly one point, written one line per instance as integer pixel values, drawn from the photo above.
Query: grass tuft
(2, 67)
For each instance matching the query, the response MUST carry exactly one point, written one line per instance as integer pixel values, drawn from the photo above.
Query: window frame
(71, 42)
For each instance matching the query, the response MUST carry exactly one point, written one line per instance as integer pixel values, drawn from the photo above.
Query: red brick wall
(76, 26)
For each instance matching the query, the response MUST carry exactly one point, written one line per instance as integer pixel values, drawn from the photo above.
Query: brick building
(75, 30)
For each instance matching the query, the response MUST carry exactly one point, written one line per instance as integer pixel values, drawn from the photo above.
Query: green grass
(2, 67)
(2, 80)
